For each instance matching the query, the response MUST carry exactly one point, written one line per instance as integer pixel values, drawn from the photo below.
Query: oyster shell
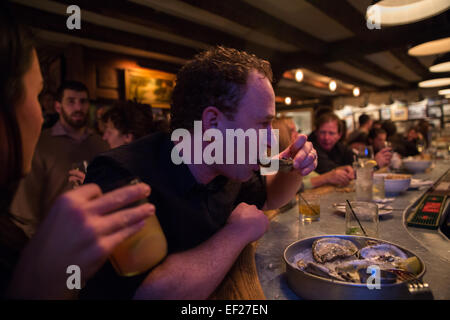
(382, 253)
(330, 249)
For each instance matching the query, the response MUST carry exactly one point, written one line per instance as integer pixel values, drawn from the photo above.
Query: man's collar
(183, 178)
(59, 130)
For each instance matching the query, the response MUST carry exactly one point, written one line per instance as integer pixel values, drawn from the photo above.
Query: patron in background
(127, 121)
(332, 154)
(414, 142)
(208, 212)
(69, 141)
(47, 100)
(365, 124)
(383, 153)
(124, 123)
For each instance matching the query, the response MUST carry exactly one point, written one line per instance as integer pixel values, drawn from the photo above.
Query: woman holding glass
(84, 225)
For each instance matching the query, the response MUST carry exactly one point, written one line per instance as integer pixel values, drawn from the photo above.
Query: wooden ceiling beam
(151, 18)
(57, 23)
(411, 62)
(258, 20)
(344, 13)
(375, 70)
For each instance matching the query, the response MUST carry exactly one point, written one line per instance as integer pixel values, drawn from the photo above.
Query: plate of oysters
(351, 267)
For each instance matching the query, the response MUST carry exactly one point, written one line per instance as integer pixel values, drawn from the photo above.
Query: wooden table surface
(242, 282)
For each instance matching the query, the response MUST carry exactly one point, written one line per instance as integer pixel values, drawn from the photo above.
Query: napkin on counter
(418, 183)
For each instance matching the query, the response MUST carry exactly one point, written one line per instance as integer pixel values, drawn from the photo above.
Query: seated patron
(334, 157)
(208, 212)
(383, 153)
(331, 153)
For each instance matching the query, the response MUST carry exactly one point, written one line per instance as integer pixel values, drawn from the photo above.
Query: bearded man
(68, 142)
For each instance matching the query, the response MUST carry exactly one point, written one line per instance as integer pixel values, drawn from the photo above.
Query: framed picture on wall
(435, 112)
(399, 113)
(385, 113)
(149, 87)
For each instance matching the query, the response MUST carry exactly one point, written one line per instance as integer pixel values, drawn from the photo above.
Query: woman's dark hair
(216, 77)
(390, 128)
(16, 49)
(131, 117)
(374, 132)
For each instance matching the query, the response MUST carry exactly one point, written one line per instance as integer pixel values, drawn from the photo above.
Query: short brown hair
(216, 77)
(130, 117)
(329, 117)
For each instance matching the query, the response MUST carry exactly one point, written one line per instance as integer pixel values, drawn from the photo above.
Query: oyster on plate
(382, 253)
(330, 249)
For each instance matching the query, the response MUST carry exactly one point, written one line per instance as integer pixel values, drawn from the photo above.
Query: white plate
(382, 208)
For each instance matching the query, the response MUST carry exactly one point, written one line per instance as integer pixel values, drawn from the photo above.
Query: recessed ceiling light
(288, 101)
(438, 82)
(398, 12)
(332, 85)
(299, 75)
(431, 47)
(444, 91)
(356, 91)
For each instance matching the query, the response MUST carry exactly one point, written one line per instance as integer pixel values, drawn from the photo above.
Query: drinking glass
(420, 145)
(309, 207)
(364, 183)
(144, 249)
(378, 192)
(80, 166)
(367, 218)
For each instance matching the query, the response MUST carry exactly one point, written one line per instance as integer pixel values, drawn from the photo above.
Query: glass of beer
(308, 207)
(143, 250)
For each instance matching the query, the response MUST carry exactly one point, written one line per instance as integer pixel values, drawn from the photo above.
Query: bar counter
(259, 273)
(431, 245)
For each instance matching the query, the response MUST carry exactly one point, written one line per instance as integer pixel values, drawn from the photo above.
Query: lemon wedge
(370, 163)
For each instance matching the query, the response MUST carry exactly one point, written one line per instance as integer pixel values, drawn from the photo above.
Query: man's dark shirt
(340, 155)
(189, 212)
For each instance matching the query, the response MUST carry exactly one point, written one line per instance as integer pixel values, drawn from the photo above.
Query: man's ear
(58, 107)
(211, 117)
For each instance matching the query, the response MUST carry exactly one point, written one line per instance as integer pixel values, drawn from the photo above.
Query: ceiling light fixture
(288, 101)
(299, 75)
(398, 12)
(432, 83)
(356, 92)
(431, 47)
(441, 64)
(332, 85)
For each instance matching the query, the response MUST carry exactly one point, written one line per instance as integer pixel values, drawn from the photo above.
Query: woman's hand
(82, 229)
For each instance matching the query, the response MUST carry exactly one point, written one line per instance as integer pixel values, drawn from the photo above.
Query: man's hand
(340, 176)
(383, 157)
(76, 177)
(250, 220)
(303, 153)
